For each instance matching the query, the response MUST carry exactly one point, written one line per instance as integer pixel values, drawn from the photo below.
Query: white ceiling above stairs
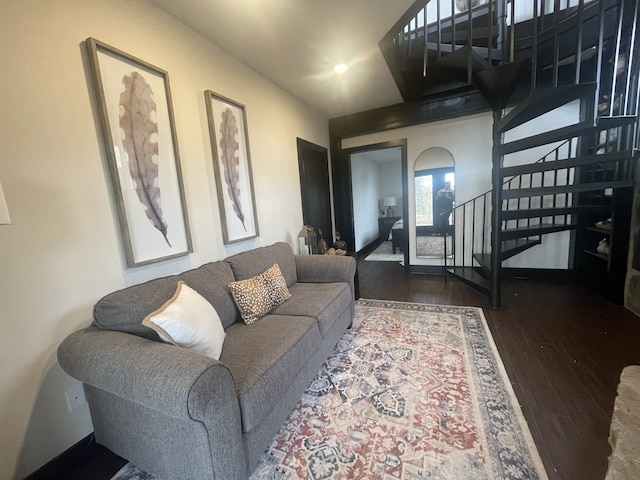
(296, 44)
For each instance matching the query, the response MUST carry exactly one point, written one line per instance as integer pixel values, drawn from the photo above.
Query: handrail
(502, 31)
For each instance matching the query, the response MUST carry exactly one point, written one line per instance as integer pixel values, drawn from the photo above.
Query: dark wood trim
(383, 119)
(407, 114)
(83, 460)
(343, 199)
(428, 269)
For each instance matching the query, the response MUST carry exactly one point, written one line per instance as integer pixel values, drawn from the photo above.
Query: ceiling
(296, 44)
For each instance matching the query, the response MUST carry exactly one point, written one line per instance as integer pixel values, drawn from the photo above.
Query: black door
(313, 162)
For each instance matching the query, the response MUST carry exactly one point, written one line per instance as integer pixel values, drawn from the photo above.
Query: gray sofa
(179, 414)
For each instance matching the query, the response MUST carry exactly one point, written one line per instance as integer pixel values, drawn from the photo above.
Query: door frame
(348, 189)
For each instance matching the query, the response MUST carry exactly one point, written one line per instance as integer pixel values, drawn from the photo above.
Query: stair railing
(433, 29)
(473, 217)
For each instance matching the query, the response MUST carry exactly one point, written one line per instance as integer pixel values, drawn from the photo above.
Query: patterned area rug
(384, 253)
(411, 392)
(426, 247)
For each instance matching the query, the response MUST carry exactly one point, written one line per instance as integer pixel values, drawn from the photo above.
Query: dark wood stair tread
(541, 102)
(471, 277)
(534, 230)
(509, 248)
(576, 187)
(565, 163)
(559, 134)
(615, 121)
(553, 211)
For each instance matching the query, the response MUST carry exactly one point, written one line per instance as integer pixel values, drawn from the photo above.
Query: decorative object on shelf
(339, 244)
(333, 251)
(232, 166)
(604, 224)
(138, 129)
(5, 219)
(307, 241)
(463, 5)
(389, 202)
(603, 247)
(322, 244)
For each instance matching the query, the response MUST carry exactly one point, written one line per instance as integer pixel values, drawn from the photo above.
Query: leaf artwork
(139, 133)
(231, 160)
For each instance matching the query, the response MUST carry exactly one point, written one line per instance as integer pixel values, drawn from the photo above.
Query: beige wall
(63, 250)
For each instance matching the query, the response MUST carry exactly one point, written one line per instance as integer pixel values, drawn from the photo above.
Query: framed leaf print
(136, 116)
(232, 165)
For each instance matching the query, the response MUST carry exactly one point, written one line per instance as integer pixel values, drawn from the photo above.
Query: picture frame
(139, 135)
(232, 166)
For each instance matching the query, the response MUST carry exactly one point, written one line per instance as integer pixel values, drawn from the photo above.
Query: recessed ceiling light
(341, 68)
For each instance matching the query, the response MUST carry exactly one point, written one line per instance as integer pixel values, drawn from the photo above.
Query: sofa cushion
(322, 301)
(125, 309)
(188, 320)
(263, 357)
(249, 264)
(211, 280)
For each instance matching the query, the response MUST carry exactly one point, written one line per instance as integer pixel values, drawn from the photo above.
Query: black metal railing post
(501, 25)
(496, 215)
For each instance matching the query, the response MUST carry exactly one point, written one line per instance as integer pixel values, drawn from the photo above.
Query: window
(434, 194)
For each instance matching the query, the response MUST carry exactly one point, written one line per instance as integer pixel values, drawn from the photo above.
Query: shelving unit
(605, 273)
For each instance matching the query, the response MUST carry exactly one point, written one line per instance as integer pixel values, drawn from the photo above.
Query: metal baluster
(556, 41)
(512, 41)
(501, 25)
(473, 226)
(425, 62)
(614, 74)
(490, 34)
(453, 26)
(579, 41)
(534, 47)
(636, 140)
(439, 31)
(568, 179)
(599, 60)
(464, 228)
(484, 222)
(630, 59)
(470, 43)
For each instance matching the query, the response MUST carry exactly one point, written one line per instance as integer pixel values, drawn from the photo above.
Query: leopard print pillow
(277, 285)
(257, 296)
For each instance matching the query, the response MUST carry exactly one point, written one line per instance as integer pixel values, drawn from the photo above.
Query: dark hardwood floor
(563, 347)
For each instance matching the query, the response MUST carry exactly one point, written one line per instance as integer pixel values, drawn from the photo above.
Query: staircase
(527, 59)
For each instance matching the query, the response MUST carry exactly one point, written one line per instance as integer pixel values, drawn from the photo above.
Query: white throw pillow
(190, 321)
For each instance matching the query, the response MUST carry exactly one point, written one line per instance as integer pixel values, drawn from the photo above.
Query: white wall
(390, 184)
(63, 250)
(469, 141)
(366, 178)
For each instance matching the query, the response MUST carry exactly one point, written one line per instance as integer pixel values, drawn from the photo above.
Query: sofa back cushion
(249, 264)
(212, 281)
(125, 309)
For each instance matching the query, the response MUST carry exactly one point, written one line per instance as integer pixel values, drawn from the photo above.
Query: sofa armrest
(138, 369)
(167, 379)
(325, 268)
